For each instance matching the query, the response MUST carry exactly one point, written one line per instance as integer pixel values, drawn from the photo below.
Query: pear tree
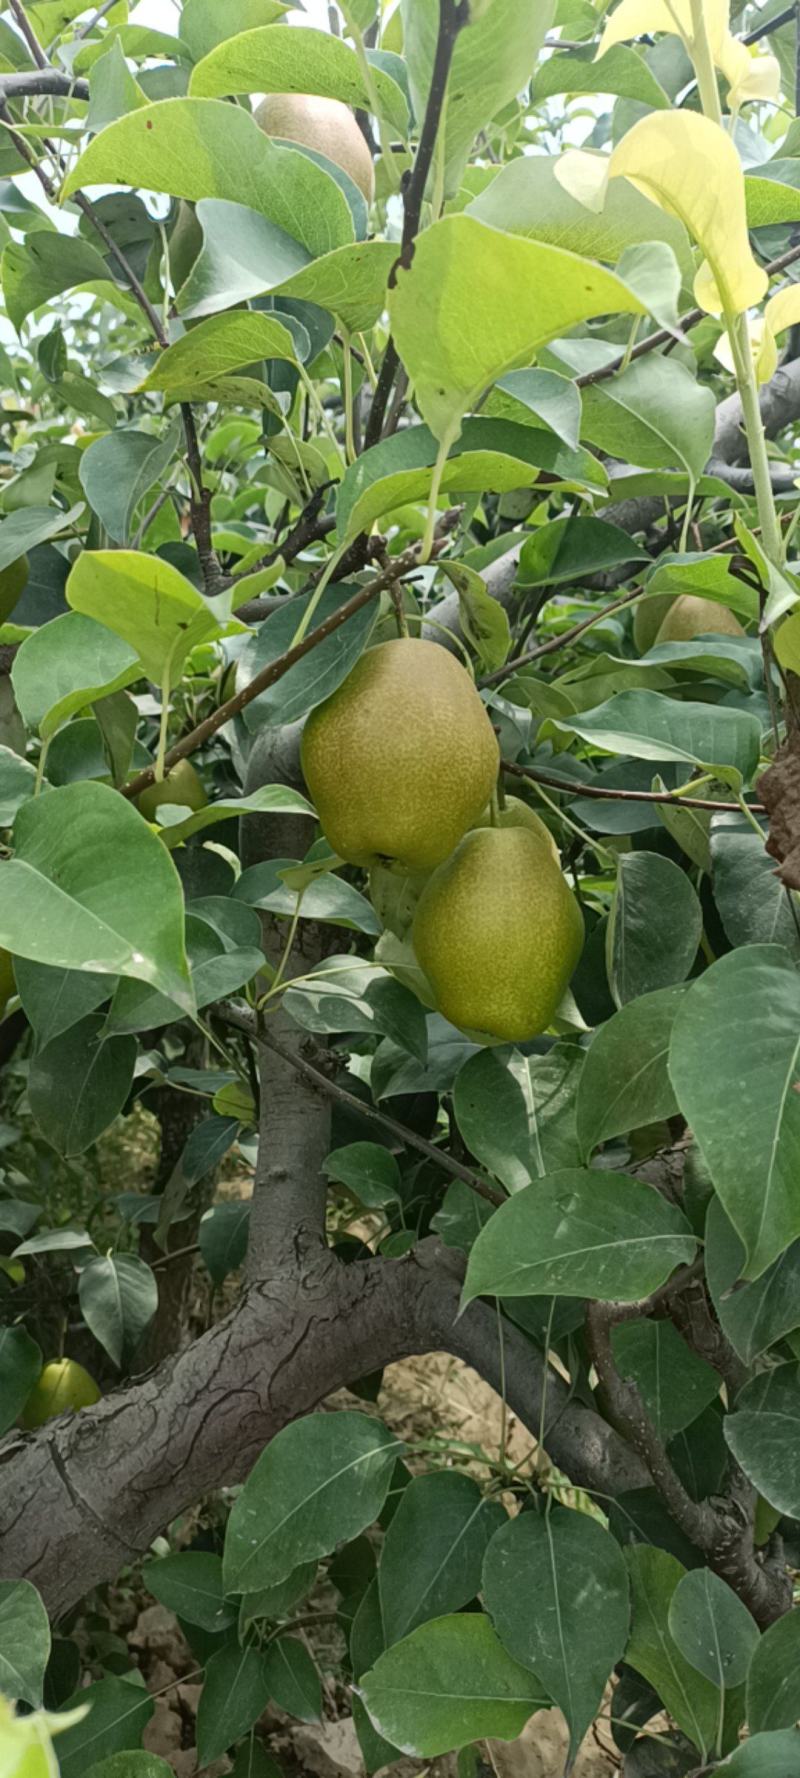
(399, 874)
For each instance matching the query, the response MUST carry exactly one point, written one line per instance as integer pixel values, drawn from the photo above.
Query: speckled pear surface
(402, 758)
(516, 813)
(498, 933)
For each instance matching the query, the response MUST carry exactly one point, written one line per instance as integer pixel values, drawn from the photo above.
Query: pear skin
(181, 785)
(648, 616)
(64, 1386)
(326, 125)
(689, 616)
(516, 813)
(498, 934)
(402, 758)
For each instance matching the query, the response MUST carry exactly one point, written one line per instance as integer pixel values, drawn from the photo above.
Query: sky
(161, 14)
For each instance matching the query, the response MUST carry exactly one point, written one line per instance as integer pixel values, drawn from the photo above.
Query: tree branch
(579, 788)
(46, 81)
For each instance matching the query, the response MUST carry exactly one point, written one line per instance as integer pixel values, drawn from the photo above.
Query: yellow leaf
(782, 311)
(690, 167)
(749, 77)
(639, 18)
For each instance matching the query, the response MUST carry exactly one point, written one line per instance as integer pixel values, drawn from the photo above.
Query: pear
(402, 758)
(325, 125)
(181, 786)
(64, 1385)
(516, 813)
(498, 934)
(689, 616)
(648, 617)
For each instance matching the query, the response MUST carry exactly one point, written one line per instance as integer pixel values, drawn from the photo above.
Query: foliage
(255, 425)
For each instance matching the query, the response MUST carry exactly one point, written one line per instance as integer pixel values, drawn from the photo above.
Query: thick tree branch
(90, 1492)
(46, 81)
(580, 788)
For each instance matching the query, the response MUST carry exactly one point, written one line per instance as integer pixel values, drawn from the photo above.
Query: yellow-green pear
(648, 617)
(181, 786)
(64, 1385)
(516, 813)
(402, 758)
(326, 125)
(498, 933)
(690, 616)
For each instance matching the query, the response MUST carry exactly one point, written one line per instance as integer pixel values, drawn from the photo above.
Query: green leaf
(342, 995)
(202, 24)
(624, 1082)
(53, 1000)
(112, 89)
(271, 61)
(712, 1628)
(762, 1433)
(66, 665)
(651, 1651)
(118, 1712)
(327, 897)
(117, 471)
(517, 1113)
(483, 620)
(708, 577)
(277, 1602)
(654, 414)
(271, 799)
(223, 1236)
(118, 1296)
(655, 926)
(582, 1232)
(20, 1366)
(461, 1217)
(754, 906)
(556, 1589)
(566, 549)
(293, 1680)
(90, 885)
(433, 1551)
(78, 1084)
(44, 265)
(131, 1765)
(17, 784)
(368, 1171)
(492, 61)
(190, 1584)
(773, 1682)
(526, 198)
(448, 1683)
(204, 148)
(764, 1756)
(24, 1642)
(538, 397)
(234, 1695)
(647, 725)
(215, 347)
(619, 71)
(318, 674)
(752, 1316)
(144, 600)
(475, 303)
(741, 1021)
(495, 455)
(243, 254)
(31, 525)
(321, 1481)
(674, 1383)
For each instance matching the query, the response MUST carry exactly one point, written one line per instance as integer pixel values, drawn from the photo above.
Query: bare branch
(580, 788)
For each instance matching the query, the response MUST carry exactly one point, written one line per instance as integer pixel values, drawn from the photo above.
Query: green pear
(402, 758)
(516, 813)
(648, 617)
(181, 786)
(64, 1385)
(325, 125)
(689, 616)
(498, 934)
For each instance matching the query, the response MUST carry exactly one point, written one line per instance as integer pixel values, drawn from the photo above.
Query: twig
(562, 641)
(86, 30)
(245, 1022)
(276, 669)
(773, 24)
(452, 17)
(578, 788)
(28, 33)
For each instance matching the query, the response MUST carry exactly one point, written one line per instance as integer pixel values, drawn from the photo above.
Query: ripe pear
(498, 934)
(181, 786)
(402, 758)
(64, 1385)
(8, 985)
(648, 617)
(516, 813)
(326, 125)
(689, 616)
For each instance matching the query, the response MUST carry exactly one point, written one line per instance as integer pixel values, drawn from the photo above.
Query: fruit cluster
(402, 763)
